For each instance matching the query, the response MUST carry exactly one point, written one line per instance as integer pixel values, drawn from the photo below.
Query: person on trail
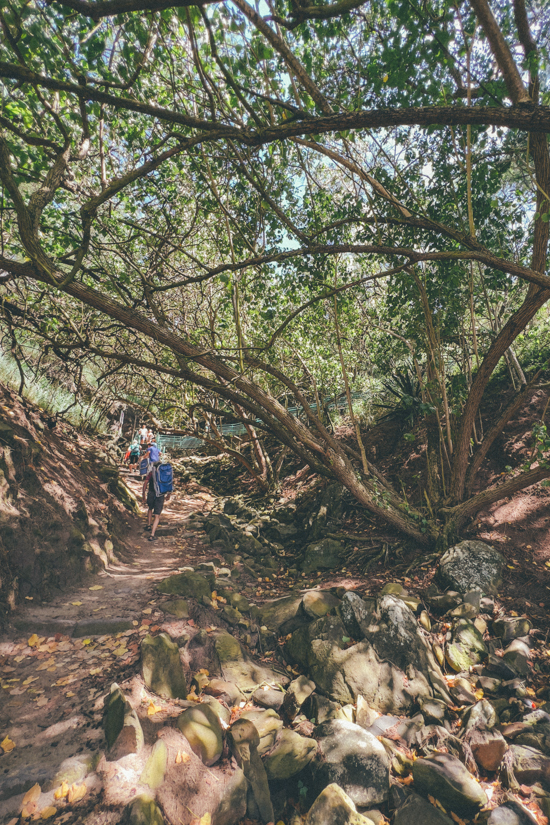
(134, 454)
(155, 504)
(153, 452)
(150, 436)
(143, 435)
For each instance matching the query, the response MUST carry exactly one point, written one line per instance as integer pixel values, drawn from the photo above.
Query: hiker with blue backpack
(157, 487)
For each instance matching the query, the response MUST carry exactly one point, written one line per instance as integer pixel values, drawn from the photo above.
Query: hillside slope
(63, 510)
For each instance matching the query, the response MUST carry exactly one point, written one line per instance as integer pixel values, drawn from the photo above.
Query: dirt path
(58, 659)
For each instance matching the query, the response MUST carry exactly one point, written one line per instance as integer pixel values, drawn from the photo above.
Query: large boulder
(391, 668)
(471, 565)
(356, 614)
(325, 554)
(444, 777)
(237, 666)
(334, 807)
(162, 668)
(274, 614)
(511, 813)
(354, 759)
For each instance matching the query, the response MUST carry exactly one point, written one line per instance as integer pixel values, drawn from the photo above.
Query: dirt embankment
(63, 510)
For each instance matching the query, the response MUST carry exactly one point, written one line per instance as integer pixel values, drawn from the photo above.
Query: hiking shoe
(147, 527)
(152, 538)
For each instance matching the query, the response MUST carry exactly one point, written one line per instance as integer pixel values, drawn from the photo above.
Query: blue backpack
(144, 466)
(164, 479)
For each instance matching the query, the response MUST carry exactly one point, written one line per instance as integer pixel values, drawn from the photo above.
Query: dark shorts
(155, 503)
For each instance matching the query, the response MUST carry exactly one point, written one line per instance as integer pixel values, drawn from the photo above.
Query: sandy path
(58, 659)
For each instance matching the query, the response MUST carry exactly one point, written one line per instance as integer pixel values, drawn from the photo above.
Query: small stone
(155, 767)
(201, 727)
(121, 724)
(444, 777)
(424, 621)
(325, 554)
(178, 608)
(418, 811)
(467, 647)
(267, 723)
(143, 810)
(355, 614)
(162, 668)
(270, 698)
(509, 628)
(511, 813)
(317, 603)
(334, 807)
(393, 589)
(239, 602)
(488, 748)
(463, 692)
(297, 693)
(482, 713)
(244, 739)
(291, 754)
(189, 584)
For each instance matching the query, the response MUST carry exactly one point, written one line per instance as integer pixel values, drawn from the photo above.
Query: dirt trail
(58, 659)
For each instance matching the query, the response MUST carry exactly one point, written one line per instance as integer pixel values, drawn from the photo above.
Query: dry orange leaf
(7, 744)
(62, 791)
(33, 640)
(182, 758)
(152, 709)
(76, 792)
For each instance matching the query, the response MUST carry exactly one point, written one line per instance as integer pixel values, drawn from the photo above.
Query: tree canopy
(258, 203)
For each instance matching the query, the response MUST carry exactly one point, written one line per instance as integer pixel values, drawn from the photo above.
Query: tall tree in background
(153, 153)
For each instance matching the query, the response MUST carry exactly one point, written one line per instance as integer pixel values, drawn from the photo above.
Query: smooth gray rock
(202, 728)
(290, 755)
(162, 668)
(270, 698)
(268, 724)
(488, 747)
(444, 777)
(471, 565)
(274, 614)
(511, 813)
(416, 810)
(354, 759)
(334, 807)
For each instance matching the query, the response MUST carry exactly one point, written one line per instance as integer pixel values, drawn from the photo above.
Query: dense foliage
(249, 208)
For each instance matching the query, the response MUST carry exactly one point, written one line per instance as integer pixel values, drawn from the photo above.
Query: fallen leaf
(76, 792)
(32, 795)
(7, 745)
(147, 610)
(46, 813)
(95, 670)
(76, 604)
(96, 587)
(33, 640)
(182, 758)
(152, 709)
(120, 651)
(30, 680)
(62, 791)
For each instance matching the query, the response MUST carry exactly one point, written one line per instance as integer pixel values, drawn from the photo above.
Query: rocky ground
(244, 669)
